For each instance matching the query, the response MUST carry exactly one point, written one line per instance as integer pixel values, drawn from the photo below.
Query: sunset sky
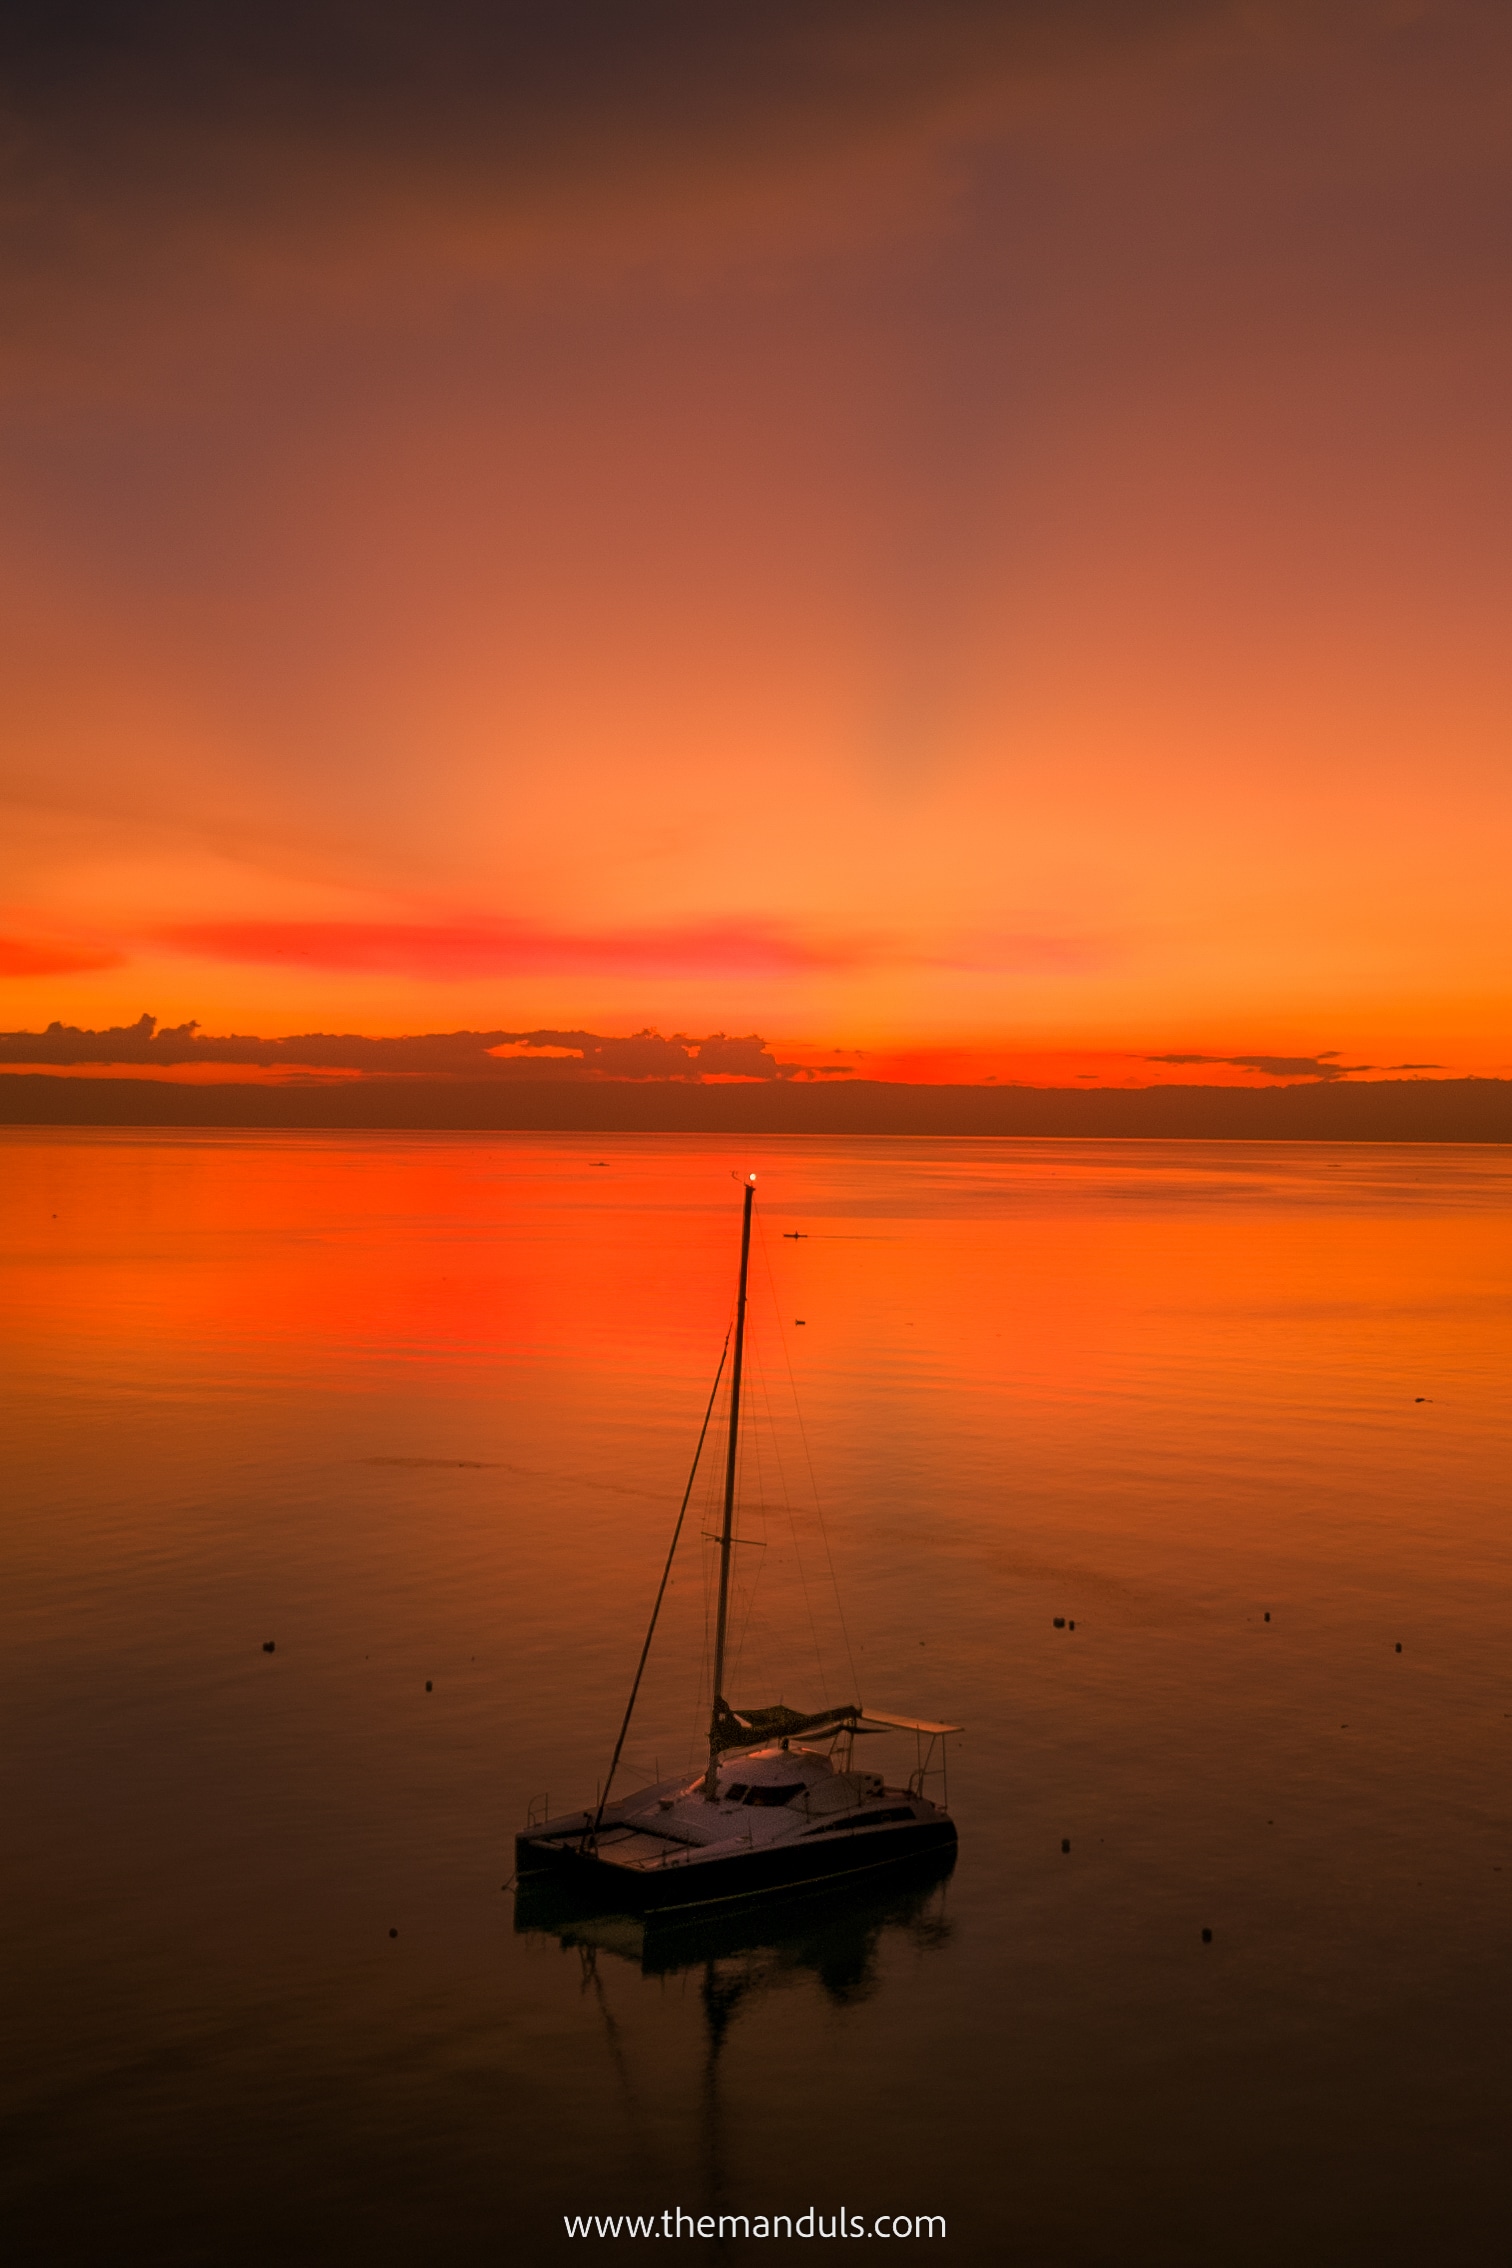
(974, 535)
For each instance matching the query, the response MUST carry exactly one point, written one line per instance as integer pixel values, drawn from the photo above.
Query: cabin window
(772, 1798)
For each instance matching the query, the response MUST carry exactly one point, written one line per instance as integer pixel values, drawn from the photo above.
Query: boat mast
(727, 1530)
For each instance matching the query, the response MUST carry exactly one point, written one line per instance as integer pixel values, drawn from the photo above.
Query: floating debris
(1399, 1645)
(427, 1685)
(1207, 1937)
(801, 1321)
(1065, 1844)
(1070, 1625)
(1267, 1614)
(437, 1464)
(1060, 1622)
(268, 1646)
(393, 1933)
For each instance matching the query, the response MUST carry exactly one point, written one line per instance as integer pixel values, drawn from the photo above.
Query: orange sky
(976, 534)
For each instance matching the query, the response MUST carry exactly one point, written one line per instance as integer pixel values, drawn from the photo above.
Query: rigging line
(742, 1592)
(661, 1592)
(786, 1497)
(701, 1682)
(808, 1458)
(747, 1588)
(761, 1388)
(710, 1516)
(746, 1596)
(708, 1520)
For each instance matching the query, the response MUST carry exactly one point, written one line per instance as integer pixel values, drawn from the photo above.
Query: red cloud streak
(489, 948)
(34, 957)
(507, 948)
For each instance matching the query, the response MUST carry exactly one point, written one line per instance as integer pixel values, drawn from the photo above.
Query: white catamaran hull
(561, 1851)
(781, 1819)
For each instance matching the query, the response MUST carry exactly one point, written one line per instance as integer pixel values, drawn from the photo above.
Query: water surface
(419, 1410)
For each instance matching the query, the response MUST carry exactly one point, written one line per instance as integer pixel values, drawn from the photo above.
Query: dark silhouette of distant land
(650, 1084)
(1381, 1110)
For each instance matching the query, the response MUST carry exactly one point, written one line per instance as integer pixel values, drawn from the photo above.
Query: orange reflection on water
(420, 1410)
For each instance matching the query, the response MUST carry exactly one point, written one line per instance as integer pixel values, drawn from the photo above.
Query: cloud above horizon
(492, 948)
(52, 957)
(552, 1053)
(546, 1054)
(1325, 1066)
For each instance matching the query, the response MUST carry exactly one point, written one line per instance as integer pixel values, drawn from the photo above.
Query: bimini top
(756, 1728)
(875, 1717)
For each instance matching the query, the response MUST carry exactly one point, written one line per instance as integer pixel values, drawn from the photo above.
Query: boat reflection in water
(834, 1937)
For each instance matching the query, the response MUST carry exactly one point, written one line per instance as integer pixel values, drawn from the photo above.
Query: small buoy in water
(1399, 1645)
(1207, 1937)
(1065, 1844)
(427, 1685)
(1267, 1614)
(393, 1933)
(1060, 1622)
(267, 1645)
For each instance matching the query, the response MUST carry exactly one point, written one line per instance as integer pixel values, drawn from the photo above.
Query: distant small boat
(772, 1809)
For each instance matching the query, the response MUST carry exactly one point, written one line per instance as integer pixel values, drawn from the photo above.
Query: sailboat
(778, 1805)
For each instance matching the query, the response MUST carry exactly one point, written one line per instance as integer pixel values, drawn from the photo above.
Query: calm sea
(419, 1410)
